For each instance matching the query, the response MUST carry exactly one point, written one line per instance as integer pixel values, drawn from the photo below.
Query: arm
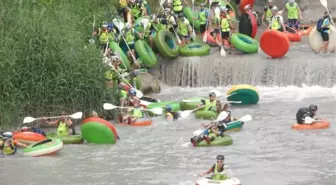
(300, 13)
(207, 172)
(21, 145)
(51, 123)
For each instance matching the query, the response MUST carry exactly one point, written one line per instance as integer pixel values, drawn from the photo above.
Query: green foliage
(44, 65)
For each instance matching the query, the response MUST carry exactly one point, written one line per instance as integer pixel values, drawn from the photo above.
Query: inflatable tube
(293, 35)
(140, 122)
(219, 141)
(206, 114)
(195, 49)
(243, 3)
(234, 125)
(248, 24)
(190, 15)
(190, 105)
(28, 137)
(244, 43)
(230, 181)
(211, 40)
(305, 30)
(316, 125)
(69, 139)
(274, 43)
(175, 105)
(315, 39)
(95, 132)
(43, 148)
(166, 44)
(245, 93)
(101, 121)
(115, 48)
(145, 53)
(232, 10)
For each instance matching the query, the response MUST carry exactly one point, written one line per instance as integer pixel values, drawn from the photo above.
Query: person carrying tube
(323, 26)
(171, 20)
(184, 29)
(277, 22)
(225, 26)
(294, 13)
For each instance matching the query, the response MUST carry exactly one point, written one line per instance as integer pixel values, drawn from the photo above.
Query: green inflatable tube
(195, 49)
(190, 15)
(245, 93)
(45, 147)
(219, 141)
(190, 105)
(145, 53)
(96, 132)
(166, 44)
(206, 114)
(175, 105)
(70, 139)
(234, 125)
(118, 51)
(244, 43)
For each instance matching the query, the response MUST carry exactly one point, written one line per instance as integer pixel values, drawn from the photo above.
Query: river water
(265, 151)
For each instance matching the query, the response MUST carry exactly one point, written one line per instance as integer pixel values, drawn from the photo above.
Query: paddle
(309, 120)
(189, 101)
(187, 113)
(108, 106)
(177, 37)
(76, 115)
(194, 34)
(205, 37)
(325, 4)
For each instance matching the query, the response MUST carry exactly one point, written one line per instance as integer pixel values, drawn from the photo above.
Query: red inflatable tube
(243, 3)
(254, 24)
(104, 122)
(211, 40)
(293, 35)
(274, 43)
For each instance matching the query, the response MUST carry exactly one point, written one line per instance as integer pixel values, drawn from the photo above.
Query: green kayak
(175, 105)
(43, 148)
(190, 105)
(234, 125)
(219, 141)
(206, 114)
(70, 139)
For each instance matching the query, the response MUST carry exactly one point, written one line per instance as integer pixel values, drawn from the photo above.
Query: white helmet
(115, 58)
(223, 9)
(275, 9)
(128, 25)
(269, 1)
(8, 134)
(247, 7)
(291, 1)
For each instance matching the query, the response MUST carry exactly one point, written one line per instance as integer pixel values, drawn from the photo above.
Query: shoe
(129, 120)
(207, 139)
(193, 142)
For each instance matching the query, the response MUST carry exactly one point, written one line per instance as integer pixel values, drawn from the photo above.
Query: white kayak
(230, 181)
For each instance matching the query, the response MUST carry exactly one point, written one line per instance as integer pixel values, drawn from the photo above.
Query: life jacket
(136, 112)
(268, 13)
(225, 25)
(275, 23)
(293, 12)
(169, 116)
(217, 175)
(8, 149)
(210, 105)
(135, 10)
(122, 94)
(171, 20)
(202, 16)
(129, 36)
(103, 38)
(177, 5)
(183, 27)
(62, 129)
(123, 3)
(148, 29)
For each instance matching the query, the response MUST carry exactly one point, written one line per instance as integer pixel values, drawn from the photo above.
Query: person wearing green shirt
(203, 18)
(217, 169)
(184, 29)
(277, 22)
(267, 15)
(63, 124)
(294, 13)
(135, 113)
(209, 105)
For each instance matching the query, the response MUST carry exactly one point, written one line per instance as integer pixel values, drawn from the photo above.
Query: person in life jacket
(129, 35)
(122, 9)
(136, 9)
(7, 144)
(323, 26)
(170, 115)
(217, 169)
(171, 20)
(103, 38)
(148, 29)
(135, 113)
(225, 26)
(184, 29)
(177, 6)
(304, 112)
(210, 104)
(267, 15)
(277, 22)
(214, 20)
(160, 23)
(32, 129)
(202, 17)
(63, 124)
(112, 75)
(294, 13)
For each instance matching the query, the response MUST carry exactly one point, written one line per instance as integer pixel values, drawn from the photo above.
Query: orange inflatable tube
(305, 29)
(323, 124)
(293, 35)
(243, 3)
(211, 40)
(278, 50)
(28, 137)
(140, 122)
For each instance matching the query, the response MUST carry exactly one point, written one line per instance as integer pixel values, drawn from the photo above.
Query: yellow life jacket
(62, 129)
(103, 38)
(225, 25)
(210, 105)
(136, 112)
(183, 27)
(123, 3)
(217, 175)
(130, 36)
(275, 23)
(177, 5)
(293, 11)
(8, 149)
(269, 13)
(202, 17)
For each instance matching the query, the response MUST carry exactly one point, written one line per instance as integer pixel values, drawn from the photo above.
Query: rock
(147, 83)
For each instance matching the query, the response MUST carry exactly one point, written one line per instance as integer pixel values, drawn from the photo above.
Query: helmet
(104, 26)
(128, 25)
(220, 157)
(110, 26)
(247, 7)
(25, 128)
(212, 94)
(132, 91)
(291, 1)
(269, 1)
(180, 15)
(275, 9)
(223, 9)
(8, 134)
(313, 107)
(168, 107)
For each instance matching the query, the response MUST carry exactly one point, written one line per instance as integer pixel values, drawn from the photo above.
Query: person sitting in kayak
(304, 112)
(184, 28)
(135, 113)
(217, 169)
(32, 129)
(63, 124)
(277, 22)
(7, 144)
(170, 115)
(210, 104)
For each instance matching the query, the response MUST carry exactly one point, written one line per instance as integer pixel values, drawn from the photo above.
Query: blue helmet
(110, 26)
(168, 107)
(132, 91)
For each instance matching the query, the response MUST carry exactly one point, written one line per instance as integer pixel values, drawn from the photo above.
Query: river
(265, 151)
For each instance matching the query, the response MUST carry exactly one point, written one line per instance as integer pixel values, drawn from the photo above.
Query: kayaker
(203, 18)
(177, 6)
(63, 125)
(226, 27)
(294, 13)
(267, 15)
(136, 9)
(129, 34)
(304, 112)
(32, 129)
(217, 169)
(8, 144)
(184, 29)
(103, 38)
(122, 96)
(209, 104)
(135, 113)
(277, 22)
(170, 115)
(171, 20)
(323, 28)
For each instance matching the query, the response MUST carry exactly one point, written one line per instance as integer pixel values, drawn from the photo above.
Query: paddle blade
(222, 116)
(246, 118)
(205, 37)
(28, 119)
(139, 94)
(234, 101)
(197, 132)
(186, 113)
(108, 106)
(309, 120)
(186, 144)
(157, 111)
(77, 115)
(222, 53)
(324, 3)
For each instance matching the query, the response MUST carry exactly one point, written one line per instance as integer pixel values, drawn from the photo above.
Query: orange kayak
(305, 29)
(140, 122)
(317, 125)
(28, 137)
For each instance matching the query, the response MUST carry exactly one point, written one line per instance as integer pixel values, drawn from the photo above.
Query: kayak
(140, 122)
(234, 125)
(43, 148)
(323, 124)
(219, 141)
(70, 139)
(175, 105)
(230, 181)
(206, 114)
(99, 131)
(28, 137)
